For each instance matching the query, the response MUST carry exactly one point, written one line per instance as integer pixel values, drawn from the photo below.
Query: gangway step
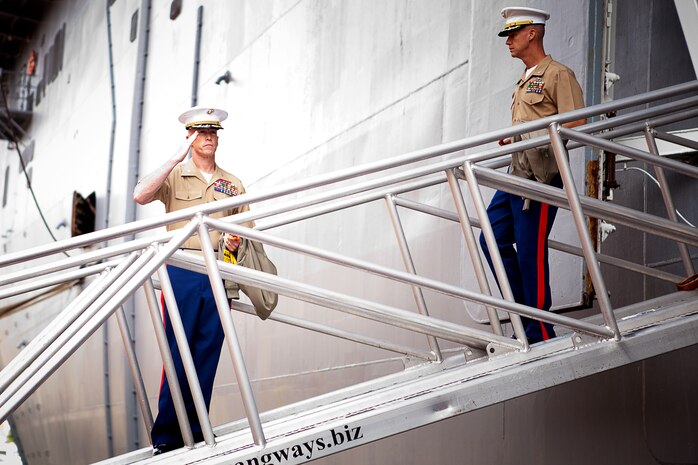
(431, 392)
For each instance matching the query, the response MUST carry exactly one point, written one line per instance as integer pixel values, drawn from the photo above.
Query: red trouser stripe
(164, 323)
(540, 261)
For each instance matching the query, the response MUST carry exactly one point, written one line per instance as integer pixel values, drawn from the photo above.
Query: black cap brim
(204, 126)
(506, 31)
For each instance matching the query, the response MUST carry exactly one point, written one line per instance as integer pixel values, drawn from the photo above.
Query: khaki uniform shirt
(551, 88)
(186, 187)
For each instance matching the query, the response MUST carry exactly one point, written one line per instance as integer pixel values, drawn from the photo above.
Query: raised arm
(147, 187)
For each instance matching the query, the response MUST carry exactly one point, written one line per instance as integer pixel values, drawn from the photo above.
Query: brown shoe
(688, 284)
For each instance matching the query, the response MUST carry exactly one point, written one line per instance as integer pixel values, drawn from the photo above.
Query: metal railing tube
(185, 214)
(410, 320)
(678, 140)
(406, 278)
(83, 240)
(69, 340)
(60, 324)
(466, 227)
(500, 157)
(290, 288)
(82, 259)
(231, 337)
(349, 304)
(338, 333)
(627, 151)
(491, 241)
(631, 123)
(668, 201)
(79, 320)
(481, 157)
(53, 280)
(410, 268)
(392, 316)
(187, 360)
(618, 262)
(592, 207)
(135, 369)
(553, 244)
(168, 363)
(340, 199)
(602, 108)
(240, 273)
(561, 156)
(479, 203)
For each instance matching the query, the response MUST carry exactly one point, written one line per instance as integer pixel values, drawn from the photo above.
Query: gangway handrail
(536, 190)
(35, 284)
(534, 186)
(242, 274)
(142, 225)
(344, 174)
(82, 259)
(119, 279)
(553, 244)
(490, 158)
(631, 152)
(666, 226)
(678, 140)
(592, 207)
(335, 332)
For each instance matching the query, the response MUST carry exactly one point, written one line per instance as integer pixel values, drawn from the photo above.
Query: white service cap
(203, 117)
(518, 17)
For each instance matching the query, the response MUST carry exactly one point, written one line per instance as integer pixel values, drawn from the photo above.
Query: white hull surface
(317, 86)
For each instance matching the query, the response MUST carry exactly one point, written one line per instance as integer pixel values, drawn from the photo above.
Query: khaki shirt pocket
(528, 106)
(532, 98)
(183, 195)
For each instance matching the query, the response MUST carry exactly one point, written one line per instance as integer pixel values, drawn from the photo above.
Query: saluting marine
(181, 185)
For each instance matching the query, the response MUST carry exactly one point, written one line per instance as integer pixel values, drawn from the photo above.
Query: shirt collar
(190, 169)
(538, 71)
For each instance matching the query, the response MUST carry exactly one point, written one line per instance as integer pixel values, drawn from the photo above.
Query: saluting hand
(183, 150)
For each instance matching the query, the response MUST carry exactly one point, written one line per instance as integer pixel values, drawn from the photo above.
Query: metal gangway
(490, 366)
